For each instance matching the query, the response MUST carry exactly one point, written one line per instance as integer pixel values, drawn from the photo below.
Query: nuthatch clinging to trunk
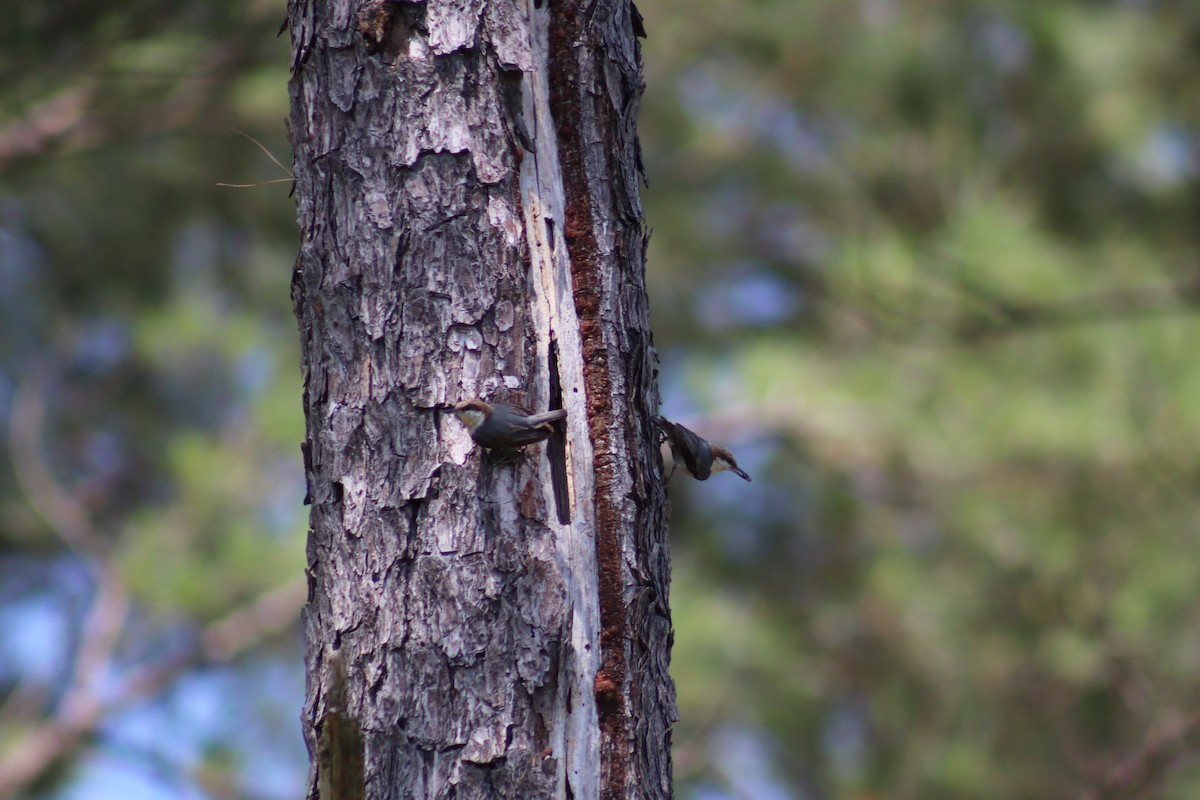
(498, 425)
(696, 456)
(495, 425)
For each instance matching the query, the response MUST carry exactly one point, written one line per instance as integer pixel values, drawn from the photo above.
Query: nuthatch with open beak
(498, 425)
(697, 457)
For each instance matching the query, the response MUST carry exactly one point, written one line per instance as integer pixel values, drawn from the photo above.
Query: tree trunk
(466, 175)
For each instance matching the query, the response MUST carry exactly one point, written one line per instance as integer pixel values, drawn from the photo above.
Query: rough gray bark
(467, 181)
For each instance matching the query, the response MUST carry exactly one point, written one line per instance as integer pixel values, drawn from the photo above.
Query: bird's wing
(547, 416)
(694, 450)
(518, 433)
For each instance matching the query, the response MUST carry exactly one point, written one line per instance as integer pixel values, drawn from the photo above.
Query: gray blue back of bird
(690, 451)
(510, 428)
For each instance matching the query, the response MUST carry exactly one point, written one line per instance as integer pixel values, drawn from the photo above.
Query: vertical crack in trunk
(587, 270)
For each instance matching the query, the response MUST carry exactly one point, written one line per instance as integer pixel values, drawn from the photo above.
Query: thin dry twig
(271, 156)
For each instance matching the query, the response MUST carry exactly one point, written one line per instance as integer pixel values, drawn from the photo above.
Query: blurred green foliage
(147, 311)
(929, 268)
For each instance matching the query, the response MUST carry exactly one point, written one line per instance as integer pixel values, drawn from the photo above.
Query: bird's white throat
(472, 418)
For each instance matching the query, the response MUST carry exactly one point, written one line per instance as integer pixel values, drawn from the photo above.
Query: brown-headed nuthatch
(498, 425)
(495, 425)
(697, 457)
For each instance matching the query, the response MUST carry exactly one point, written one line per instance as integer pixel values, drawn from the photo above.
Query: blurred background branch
(93, 692)
(1142, 773)
(80, 706)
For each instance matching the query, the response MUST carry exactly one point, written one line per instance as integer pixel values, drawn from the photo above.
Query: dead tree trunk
(467, 181)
